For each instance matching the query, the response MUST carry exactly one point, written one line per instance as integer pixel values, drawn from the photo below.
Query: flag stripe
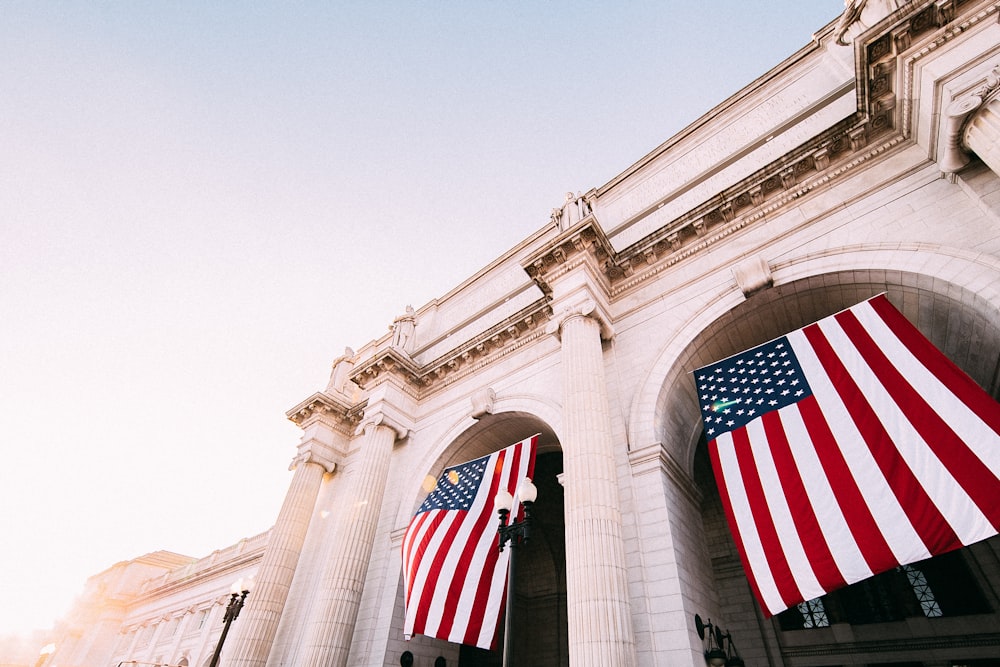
(493, 603)
(485, 549)
(766, 528)
(863, 493)
(850, 562)
(744, 533)
(792, 491)
(950, 375)
(921, 512)
(478, 533)
(960, 484)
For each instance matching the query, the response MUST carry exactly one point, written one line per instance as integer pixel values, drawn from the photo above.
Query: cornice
(514, 332)
(566, 250)
(880, 124)
(333, 412)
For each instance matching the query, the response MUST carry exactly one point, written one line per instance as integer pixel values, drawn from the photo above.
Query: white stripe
(966, 424)
(843, 547)
(958, 509)
(791, 544)
(892, 522)
(733, 483)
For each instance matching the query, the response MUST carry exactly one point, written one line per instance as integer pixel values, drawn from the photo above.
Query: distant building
(161, 608)
(867, 162)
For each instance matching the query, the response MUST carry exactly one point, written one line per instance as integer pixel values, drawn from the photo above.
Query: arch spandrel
(953, 299)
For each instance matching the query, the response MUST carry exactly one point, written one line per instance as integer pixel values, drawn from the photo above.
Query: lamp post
(517, 532)
(238, 594)
(719, 649)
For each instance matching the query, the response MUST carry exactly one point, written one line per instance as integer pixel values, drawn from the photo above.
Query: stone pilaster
(317, 455)
(328, 640)
(600, 628)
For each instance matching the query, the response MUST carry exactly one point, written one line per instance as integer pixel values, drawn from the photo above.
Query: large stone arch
(952, 296)
(540, 588)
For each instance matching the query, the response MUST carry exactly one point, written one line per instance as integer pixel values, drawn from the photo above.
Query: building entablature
(333, 412)
(420, 380)
(887, 64)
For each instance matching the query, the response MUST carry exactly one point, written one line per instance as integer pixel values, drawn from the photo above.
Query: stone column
(600, 627)
(982, 133)
(328, 641)
(259, 619)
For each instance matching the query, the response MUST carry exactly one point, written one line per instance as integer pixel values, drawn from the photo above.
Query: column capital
(586, 308)
(959, 117)
(386, 415)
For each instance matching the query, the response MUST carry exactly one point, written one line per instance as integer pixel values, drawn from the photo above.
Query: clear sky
(203, 203)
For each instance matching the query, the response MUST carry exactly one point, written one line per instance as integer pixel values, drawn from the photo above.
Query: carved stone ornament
(587, 308)
(383, 418)
(752, 275)
(482, 403)
(340, 371)
(859, 15)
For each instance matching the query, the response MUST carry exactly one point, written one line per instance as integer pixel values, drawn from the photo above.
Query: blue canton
(737, 390)
(457, 487)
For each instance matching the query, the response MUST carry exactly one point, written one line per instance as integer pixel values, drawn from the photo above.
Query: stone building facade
(867, 162)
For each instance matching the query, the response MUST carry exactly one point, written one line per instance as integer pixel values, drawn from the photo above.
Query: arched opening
(538, 602)
(946, 605)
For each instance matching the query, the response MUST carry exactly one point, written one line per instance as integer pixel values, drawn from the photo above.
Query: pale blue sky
(202, 204)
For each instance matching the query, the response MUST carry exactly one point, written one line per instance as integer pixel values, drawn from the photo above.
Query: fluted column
(600, 627)
(982, 133)
(328, 641)
(259, 619)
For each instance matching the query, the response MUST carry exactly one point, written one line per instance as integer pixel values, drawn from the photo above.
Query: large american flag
(453, 571)
(846, 448)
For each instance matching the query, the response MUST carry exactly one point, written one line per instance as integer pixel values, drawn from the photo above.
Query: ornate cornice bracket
(585, 236)
(327, 409)
(390, 362)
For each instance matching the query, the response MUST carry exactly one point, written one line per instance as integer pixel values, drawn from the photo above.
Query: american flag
(847, 448)
(453, 571)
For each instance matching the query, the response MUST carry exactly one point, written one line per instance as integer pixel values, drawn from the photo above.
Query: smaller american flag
(453, 572)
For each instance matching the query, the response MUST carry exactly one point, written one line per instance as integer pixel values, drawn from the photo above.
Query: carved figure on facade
(402, 330)
(859, 15)
(340, 370)
(573, 210)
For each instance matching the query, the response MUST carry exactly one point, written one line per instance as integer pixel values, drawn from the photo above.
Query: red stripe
(924, 516)
(968, 470)
(803, 516)
(870, 540)
(773, 552)
(947, 372)
(727, 507)
(508, 477)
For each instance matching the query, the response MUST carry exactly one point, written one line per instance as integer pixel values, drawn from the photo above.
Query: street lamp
(238, 593)
(516, 533)
(719, 650)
